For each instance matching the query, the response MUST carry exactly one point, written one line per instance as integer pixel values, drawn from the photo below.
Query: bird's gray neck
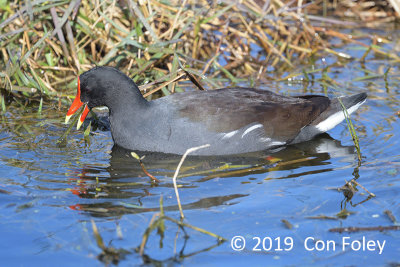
(127, 100)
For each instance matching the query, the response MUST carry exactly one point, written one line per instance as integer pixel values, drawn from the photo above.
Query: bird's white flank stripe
(251, 129)
(229, 135)
(265, 139)
(277, 143)
(272, 143)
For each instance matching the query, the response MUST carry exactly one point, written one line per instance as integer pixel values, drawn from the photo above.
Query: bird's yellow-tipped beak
(67, 118)
(83, 117)
(75, 106)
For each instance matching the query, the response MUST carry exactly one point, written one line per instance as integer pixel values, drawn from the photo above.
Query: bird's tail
(331, 117)
(334, 114)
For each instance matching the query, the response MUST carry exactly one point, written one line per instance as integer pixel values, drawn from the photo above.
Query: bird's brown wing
(229, 109)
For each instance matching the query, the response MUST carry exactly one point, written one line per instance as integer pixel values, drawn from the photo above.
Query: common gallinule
(232, 120)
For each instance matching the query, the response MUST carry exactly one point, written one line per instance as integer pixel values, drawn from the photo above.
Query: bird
(231, 120)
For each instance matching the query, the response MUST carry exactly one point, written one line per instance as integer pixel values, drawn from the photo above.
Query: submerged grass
(352, 131)
(158, 222)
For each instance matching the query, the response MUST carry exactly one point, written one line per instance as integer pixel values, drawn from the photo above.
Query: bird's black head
(101, 86)
(104, 86)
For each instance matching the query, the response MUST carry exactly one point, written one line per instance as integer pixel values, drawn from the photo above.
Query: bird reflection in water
(123, 185)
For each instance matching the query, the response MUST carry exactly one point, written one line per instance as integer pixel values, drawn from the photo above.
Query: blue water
(50, 193)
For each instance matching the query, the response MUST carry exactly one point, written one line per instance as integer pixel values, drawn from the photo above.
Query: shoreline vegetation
(45, 45)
